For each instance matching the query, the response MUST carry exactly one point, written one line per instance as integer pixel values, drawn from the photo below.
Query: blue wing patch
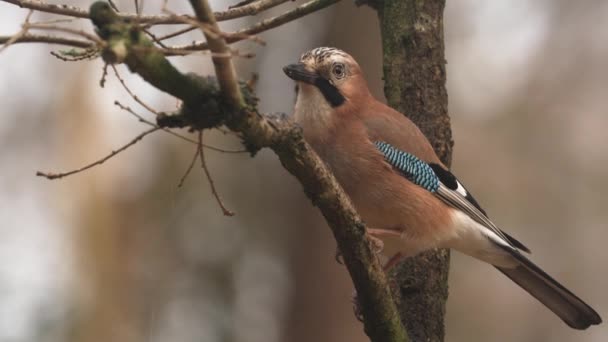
(414, 169)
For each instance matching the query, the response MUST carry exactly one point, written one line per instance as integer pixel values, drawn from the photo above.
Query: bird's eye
(338, 70)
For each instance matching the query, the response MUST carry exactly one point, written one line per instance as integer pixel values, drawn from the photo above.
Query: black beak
(298, 72)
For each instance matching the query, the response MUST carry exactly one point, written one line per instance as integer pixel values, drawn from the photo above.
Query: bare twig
(177, 33)
(104, 75)
(155, 39)
(56, 21)
(78, 12)
(37, 38)
(201, 153)
(77, 43)
(172, 52)
(265, 25)
(19, 34)
(240, 4)
(224, 69)
(179, 50)
(177, 135)
(113, 5)
(124, 85)
(189, 169)
(71, 56)
(212, 31)
(69, 30)
(50, 175)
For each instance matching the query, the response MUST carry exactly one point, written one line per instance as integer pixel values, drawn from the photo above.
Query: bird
(409, 200)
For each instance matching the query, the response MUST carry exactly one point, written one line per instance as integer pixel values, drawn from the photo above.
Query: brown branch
(51, 175)
(182, 50)
(211, 31)
(111, 2)
(38, 38)
(178, 33)
(190, 167)
(77, 12)
(252, 8)
(19, 34)
(69, 30)
(224, 69)
(70, 56)
(265, 25)
(140, 118)
(201, 154)
(124, 85)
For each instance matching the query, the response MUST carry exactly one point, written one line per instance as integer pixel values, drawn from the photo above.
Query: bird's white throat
(312, 111)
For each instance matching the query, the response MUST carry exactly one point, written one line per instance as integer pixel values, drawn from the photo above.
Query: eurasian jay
(407, 197)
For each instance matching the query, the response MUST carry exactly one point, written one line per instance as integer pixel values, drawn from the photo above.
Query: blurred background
(119, 253)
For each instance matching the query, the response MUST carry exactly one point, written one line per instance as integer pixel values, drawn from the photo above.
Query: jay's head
(332, 72)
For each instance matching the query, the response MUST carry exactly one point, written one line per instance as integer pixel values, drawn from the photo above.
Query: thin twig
(178, 50)
(177, 135)
(189, 169)
(104, 75)
(56, 21)
(37, 38)
(124, 85)
(70, 56)
(172, 52)
(70, 30)
(201, 153)
(265, 25)
(155, 39)
(178, 33)
(242, 3)
(77, 12)
(19, 34)
(50, 175)
(252, 8)
(113, 5)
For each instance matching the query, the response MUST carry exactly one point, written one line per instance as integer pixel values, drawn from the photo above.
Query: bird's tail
(571, 309)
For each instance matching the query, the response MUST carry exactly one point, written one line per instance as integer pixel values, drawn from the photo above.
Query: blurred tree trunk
(414, 74)
(105, 303)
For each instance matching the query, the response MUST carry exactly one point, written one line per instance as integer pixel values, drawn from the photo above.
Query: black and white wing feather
(433, 177)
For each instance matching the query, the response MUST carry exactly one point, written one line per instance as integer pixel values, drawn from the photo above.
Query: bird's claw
(356, 307)
(339, 257)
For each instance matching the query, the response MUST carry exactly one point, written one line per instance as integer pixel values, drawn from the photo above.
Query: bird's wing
(441, 182)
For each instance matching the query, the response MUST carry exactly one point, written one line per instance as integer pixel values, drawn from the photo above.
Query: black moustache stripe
(330, 92)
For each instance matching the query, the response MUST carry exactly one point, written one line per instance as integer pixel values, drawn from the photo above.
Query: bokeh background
(119, 253)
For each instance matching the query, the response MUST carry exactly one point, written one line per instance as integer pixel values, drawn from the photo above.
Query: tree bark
(414, 74)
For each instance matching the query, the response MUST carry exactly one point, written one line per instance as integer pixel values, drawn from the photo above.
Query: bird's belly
(419, 219)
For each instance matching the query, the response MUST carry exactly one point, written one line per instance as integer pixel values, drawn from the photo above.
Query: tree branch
(39, 38)
(178, 50)
(224, 69)
(77, 12)
(267, 24)
(202, 99)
